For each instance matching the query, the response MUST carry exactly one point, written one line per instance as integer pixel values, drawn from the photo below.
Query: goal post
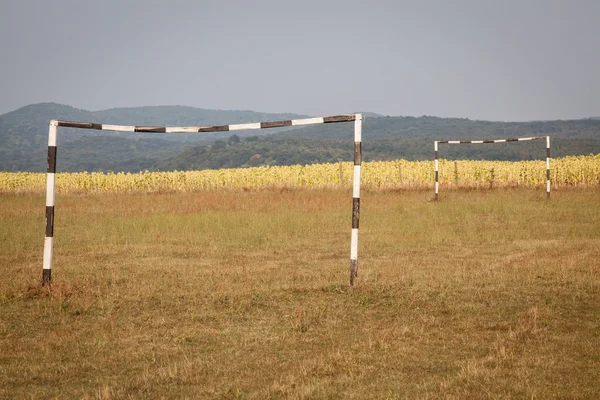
(523, 139)
(52, 152)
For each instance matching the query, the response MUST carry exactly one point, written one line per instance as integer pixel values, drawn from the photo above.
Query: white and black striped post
(548, 167)
(50, 184)
(523, 139)
(357, 118)
(435, 161)
(356, 198)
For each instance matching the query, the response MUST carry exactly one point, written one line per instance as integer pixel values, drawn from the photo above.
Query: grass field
(233, 294)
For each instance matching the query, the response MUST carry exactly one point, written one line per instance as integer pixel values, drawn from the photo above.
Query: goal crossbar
(522, 139)
(204, 129)
(52, 151)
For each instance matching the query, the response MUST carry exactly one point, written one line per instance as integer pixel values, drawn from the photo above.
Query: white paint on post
(354, 245)
(118, 128)
(50, 185)
(47, 263)
(52, 133)
(356, 182)
(435, 160)
(548, 166)
(358, 128)
(309, 121)
(241, 127)
(436, 188)
(182, 129)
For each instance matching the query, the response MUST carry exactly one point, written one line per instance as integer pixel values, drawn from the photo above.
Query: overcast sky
(494, 60)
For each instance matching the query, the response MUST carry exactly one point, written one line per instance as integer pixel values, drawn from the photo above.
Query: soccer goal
(493, 141)
(51, 176)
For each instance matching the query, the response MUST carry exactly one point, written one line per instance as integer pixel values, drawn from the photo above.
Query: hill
(388, 138)
(23, 139)
(457, 128)
(278, 150)
(27, 127)
(24, 135)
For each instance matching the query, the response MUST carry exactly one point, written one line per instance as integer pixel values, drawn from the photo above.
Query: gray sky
(497, 60)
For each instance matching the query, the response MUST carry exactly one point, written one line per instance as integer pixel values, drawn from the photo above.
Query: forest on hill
(23, 139)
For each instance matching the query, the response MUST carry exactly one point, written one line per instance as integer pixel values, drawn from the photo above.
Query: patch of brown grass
(245, 295)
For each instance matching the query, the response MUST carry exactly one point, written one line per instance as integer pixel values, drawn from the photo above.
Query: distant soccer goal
(493, 141)
(51, 176)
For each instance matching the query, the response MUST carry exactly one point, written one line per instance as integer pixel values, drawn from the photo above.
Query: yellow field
(567, 171)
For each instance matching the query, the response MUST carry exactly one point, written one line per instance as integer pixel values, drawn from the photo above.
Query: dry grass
(244, 295)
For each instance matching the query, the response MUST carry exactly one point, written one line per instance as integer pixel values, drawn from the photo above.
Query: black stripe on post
(357, 153)
(435, 155)
(442, 141)
(548, 152)
(489, 141)
(512, 140)
(221, 128)
(153, 129)
(81, 125)
(353, 271)
(46, 276)
(339, 118)
(547, 174)
(275, 124)
(465, 141)
(49, 221)
(436, 175)
(51, 159)
(355, 212)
